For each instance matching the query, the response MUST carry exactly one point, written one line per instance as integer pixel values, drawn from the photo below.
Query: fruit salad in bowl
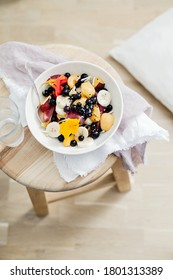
(80, 108)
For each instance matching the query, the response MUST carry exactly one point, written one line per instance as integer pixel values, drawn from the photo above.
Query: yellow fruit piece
(72, 80)
(82, 100)
(68, 127)
(95, 114)
(61, 116)
(44, 124)
(98, 83)
(106, 121)
(87, 89)
(67, 141)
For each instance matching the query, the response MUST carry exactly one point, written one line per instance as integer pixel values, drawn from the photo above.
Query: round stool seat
(31, 164)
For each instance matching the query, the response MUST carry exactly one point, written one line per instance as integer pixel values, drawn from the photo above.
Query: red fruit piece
(46, 115)
(54, 77)
(101, 109)
(45, 106)
(72, 115)
(57, 83)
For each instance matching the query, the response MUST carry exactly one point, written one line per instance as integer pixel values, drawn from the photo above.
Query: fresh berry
(73, 143)
(45, 93)
(78, 105)
(78, 95)
(52, 101)
(61, 138)
(82, 111)
(108, 108)
(54, 118)
(84, 75)
(65, 92)
(93, 126)
(89, 102)
(81, 138)
(78, 83)
(67, 74)
(86, 106)
(75, 96)
(88, 113)
(93, 99)
(95, 134)
(73, 108)
(67, 109)
(66, 86)
(51, 90)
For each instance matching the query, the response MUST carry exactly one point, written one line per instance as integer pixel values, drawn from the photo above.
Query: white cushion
(148, 56)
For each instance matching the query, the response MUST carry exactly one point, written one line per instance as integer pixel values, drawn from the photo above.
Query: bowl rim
(80, 150)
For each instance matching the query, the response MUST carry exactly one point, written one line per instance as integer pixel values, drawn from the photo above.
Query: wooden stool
(32, 165)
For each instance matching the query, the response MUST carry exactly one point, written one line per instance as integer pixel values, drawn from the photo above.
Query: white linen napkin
(129, 142)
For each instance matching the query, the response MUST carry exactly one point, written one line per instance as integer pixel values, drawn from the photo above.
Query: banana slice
(53, 129)
(72, 80)
(82, 131)
(86, 142)
(104, 97)
(62, 101)
(88, 121)
(59, 111)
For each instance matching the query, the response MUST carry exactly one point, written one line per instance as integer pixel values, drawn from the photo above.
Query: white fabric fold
(129, 142)
(148, 56)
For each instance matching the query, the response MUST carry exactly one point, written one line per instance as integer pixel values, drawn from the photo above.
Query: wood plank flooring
(102, 224)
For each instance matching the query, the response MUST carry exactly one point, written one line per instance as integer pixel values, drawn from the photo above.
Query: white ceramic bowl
(73, 67)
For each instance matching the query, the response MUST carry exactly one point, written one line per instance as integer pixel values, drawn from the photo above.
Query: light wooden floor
(101, 224)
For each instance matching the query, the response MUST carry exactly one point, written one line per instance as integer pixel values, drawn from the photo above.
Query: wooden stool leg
(121, 176)
(39, 202)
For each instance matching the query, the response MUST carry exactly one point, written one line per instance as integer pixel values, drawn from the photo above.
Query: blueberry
(53, 119)
(108, 108)
(78, 95)
(65, 92)
(93, 99)
(81, 138)
(89, 102)
(67, 74)
(61, 138)
(67, 109)
(45, 93)
(74, 97)
(82, 111)
(50, 90)
(73, 143)
(95, 134)
(73, 108)
(66, 86)
(93, 126)
(86, 106)
(84, 75)
(78, 83)
(78, 105)
(91, 106)
(52, 101)
(88, 113)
